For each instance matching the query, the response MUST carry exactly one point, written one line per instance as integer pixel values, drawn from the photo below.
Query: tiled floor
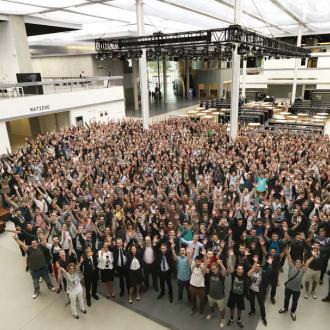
(172, 103)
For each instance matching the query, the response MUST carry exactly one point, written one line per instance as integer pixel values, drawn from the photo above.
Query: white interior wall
(62, 119)
(47, 123)
(99, 113)
(20, 127)
(63, 66)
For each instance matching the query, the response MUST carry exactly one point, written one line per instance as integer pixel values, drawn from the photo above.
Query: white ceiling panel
(51, 3)
(12, 8)
(108, 12)
(107, 17)
(69, 17)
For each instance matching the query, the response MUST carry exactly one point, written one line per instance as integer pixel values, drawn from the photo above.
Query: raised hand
(222, 244)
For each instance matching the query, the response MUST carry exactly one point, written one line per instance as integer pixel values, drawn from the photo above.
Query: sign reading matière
(40, 108)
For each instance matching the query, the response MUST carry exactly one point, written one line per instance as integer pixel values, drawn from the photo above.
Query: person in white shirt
(105, 264)
(197, 282)
(74, 289)
(149, 265)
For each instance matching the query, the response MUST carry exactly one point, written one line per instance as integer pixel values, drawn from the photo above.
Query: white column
(187, 78)
(5, 143)
(220, 85)
(143, 67)
(164, 77)
(135, 84)
(14, 55)
(235, 78)
(294, 84)
(244, 79)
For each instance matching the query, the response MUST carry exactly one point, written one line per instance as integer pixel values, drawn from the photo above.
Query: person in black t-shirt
(237, 292)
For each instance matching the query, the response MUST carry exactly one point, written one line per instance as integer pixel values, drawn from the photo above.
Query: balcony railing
(51, 85)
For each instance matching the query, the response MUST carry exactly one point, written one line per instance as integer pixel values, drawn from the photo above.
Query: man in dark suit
(163, 264)
(120, 260)
(89, 268)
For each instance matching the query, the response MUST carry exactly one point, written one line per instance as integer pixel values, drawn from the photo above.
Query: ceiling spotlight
(158, 52)
(217, 51)
(150, 54)
(138, 53)
(205, 51)
(170, 52)
(228, 48)
(180, 52)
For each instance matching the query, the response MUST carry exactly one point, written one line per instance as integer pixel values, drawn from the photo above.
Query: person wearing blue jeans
(183, 271)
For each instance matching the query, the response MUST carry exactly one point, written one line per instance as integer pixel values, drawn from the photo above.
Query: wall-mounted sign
(40, 108)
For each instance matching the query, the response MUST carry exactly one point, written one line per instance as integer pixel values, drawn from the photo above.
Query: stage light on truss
(229, 48)
(112, 55)
(205, 51)
(217, 51)
(150, 54)
(170, 52)
(241, 50)
(158, 53)
(180, 52)
(138, 53)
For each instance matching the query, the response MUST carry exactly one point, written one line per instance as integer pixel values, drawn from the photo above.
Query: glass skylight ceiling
(98, 18)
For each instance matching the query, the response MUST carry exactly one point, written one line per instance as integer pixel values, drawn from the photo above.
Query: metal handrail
(60, 82)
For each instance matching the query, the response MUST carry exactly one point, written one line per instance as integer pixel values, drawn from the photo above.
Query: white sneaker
(209, 316)
(35, 294)
(306, 294)
(314, 294)
(222, 324)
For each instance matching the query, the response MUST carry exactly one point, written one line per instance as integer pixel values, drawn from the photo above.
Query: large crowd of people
(179, 204)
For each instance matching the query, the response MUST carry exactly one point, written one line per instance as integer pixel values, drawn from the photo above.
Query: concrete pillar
(14, 55)
(244, 78)
(5, 143)
(236, 58)
(220, 84)
(164, 78)
(135, 70)
(297, 61)
(187, 78)
(143, 67)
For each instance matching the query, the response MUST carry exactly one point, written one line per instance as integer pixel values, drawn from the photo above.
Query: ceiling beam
(291, 14)
(42, 21)
(230, 5)
(196, 11)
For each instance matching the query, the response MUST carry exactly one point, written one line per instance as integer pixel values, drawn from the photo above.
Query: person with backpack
(293, 284)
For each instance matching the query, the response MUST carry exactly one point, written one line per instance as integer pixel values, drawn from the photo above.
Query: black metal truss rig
(216, 43)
